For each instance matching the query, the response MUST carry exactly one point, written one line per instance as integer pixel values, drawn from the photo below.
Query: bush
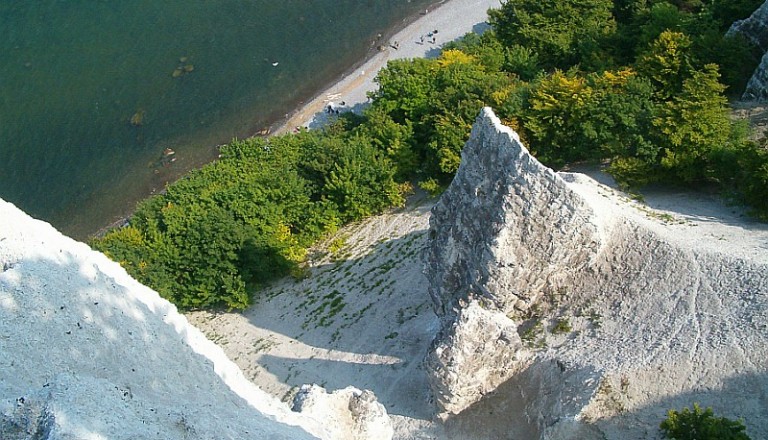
(562, 326)
(247, 218)
(563, 32)
(701, 425)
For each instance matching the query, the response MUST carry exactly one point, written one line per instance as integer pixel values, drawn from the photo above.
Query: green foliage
(432, 187)
(737, 57)
(405, 90)
(631, 172)
(394, 139)
(450, 134)
(523, 62)
(248, 217)
(752, 184)
(485, 48)
(741, 166)
(620, 115)
(573, 117)
(558, 108)
(438, 100)
(562, 326)
(659, 18)
(626, 11)
(562, 32)
(692, 124)
(667, 63)
(726, 12)
(701, 425)
(360, 182)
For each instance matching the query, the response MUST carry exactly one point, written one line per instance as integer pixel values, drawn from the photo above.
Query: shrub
(562, 326)
(701, 425)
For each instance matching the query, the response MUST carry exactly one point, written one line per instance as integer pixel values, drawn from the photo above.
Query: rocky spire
(755, 29)
(504, 217)
(580, 313)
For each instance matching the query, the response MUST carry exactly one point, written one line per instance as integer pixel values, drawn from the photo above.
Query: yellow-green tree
(692, 124)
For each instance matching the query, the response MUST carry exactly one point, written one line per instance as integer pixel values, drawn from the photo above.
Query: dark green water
(74, 73)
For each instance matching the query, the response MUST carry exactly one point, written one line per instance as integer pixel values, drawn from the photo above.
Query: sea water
(95, 94)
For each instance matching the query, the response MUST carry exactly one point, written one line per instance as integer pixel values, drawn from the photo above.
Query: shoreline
(453, 19)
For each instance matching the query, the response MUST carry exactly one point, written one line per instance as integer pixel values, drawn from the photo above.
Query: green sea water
(92, 92)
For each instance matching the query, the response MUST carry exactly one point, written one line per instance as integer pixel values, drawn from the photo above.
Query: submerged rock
(137, 120)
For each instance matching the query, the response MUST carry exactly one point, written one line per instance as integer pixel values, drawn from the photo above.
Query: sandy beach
(452, 19)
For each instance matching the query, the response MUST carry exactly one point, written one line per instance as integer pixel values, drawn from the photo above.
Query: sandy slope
(362, 317)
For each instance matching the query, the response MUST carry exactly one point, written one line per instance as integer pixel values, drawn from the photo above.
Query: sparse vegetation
(613, 399)
(561, 326)
(392, 335)
(533, 335)
(337, 244)
(595, 319)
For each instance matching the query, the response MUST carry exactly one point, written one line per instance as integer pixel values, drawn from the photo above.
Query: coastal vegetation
(248, 217)
(701, 425)
(638, 84)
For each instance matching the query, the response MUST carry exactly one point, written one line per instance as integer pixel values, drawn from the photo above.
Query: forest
(641, 86)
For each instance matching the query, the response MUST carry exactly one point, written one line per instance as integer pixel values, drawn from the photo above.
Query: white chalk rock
(87, 352)
(348, 413)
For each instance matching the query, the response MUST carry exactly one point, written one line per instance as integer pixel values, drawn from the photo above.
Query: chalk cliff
(86, 352)
(755, 30)
(583, 312)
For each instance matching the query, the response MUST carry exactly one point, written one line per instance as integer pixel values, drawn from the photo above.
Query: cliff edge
(86, 352)
(585, 314)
